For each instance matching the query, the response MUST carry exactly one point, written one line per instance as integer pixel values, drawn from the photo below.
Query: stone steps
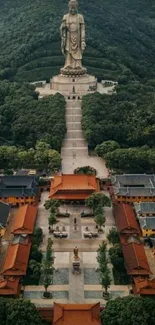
(74, 143)
(73, 104)
(74, 134)
(73, 111)
(74, 152)
(73, 118)
(74, 126)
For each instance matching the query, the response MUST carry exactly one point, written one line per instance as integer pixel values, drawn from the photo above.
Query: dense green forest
(24, 119)
(120, 46)
(127, 117)
(121, 127)
(120, 38)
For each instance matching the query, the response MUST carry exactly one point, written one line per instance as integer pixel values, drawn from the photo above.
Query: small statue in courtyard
(76, 252)
(75, 221)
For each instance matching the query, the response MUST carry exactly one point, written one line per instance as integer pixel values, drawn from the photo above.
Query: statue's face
(73, 10)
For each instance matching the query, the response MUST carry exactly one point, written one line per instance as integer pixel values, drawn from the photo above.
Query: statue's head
(73, 7)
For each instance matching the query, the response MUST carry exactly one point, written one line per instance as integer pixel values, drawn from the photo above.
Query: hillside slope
(120, 38)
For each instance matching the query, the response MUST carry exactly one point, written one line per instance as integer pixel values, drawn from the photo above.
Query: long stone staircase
(74, 144)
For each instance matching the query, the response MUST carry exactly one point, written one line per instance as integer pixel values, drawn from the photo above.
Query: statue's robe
(73, 34)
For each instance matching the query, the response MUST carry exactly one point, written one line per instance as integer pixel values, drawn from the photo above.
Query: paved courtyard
(68, 287)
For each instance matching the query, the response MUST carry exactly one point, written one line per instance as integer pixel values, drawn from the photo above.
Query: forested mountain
(120, 38)
(24, 119)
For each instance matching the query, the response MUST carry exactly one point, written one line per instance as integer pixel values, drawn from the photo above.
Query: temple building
(18, 190)
(25, 220)
(144, 286)
(134, 188)
(16, 260)
(125, 219)
(4, 216)
(145, 209)
(147, 225)
(145, 213)
(136, 262)
(76, 314)
(73, 187)
(10, 287)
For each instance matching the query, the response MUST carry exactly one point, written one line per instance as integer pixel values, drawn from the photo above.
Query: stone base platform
(78, 85)
(73, 72)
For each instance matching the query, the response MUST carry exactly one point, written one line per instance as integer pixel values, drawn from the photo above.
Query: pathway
(74, 152)
(76, 283)
(75, 234)
(42, 220)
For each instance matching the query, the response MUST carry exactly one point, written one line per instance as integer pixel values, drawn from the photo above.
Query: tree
(85, 170)
(52, 204)
(96, 199)
(26, 158)
(116, 257)
(99, 216)
(47, 282)
(35, 254)
(113, 236)
(35, 268)
(103, 267)
(52, 220)
(129, 310)
(54, 159)
(37, 236)
(101, 257)
(105, 280)
(132, 160)
(3, 311)
(48, 267)
(105, 147)
(22, 312)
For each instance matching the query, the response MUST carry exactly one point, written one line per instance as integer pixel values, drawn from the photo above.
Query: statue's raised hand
(83, 46)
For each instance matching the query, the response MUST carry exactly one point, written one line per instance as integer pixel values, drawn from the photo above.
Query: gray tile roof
(145, 207)
(134, 179)
(134, 185)
(147, 222)
(15, 181)
(4, 213)
(18, 186)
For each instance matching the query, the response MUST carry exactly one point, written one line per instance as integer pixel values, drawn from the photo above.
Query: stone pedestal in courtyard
(72, 85)
(76, 265)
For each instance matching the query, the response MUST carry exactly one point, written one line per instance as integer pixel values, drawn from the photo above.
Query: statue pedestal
(73, 86)
(76, 265)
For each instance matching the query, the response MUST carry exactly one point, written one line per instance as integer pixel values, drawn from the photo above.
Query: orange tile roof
(16, 259)
(144, 286)
(135, 259)
(73, 186)
(76, 314)
(125, 219)
(25, 219)
(9, 286)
